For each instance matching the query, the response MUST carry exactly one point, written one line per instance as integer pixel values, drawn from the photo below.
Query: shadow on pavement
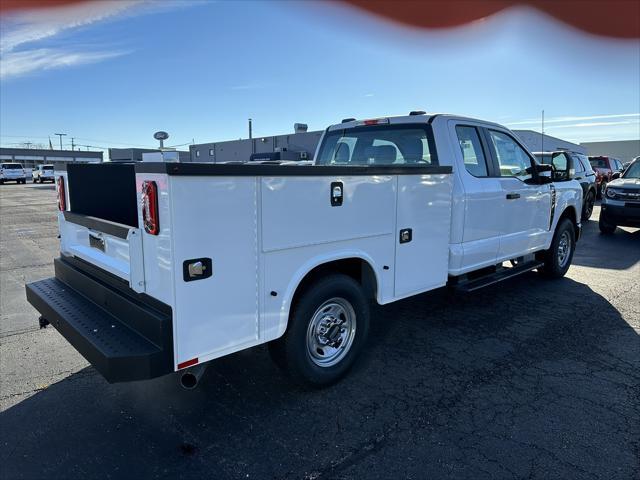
(618, 251)
(534, 378)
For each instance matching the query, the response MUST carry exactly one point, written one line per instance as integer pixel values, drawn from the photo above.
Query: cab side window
(472, 153)
(512, 158)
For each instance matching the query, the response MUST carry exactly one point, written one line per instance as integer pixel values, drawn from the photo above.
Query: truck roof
(414, 117)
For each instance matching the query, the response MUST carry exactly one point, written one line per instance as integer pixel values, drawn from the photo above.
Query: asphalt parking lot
(529, 379)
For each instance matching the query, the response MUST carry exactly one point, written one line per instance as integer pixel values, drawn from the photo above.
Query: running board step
(502, 274)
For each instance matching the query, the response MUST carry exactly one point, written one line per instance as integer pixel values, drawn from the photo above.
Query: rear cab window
(379, 145)
(11, 166)
(473, 156)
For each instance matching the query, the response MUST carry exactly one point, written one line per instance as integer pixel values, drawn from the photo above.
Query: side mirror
(616, 175)
(563, 169)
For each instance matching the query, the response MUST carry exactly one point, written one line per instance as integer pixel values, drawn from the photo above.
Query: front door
(526, 205)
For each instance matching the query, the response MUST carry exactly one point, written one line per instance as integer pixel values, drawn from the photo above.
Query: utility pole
(72, 144)
(250, 130)
(543, 130)
(61, 135)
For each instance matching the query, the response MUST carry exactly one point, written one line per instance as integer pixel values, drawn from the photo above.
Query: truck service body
(165, 266)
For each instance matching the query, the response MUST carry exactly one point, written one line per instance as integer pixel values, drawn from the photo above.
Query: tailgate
(111, 246)
(100, 223)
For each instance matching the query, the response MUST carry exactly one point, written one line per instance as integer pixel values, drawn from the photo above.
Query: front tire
(557, 259)
(327, 330)
(603, 186)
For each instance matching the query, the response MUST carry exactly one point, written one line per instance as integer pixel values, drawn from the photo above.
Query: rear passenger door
(526, 205)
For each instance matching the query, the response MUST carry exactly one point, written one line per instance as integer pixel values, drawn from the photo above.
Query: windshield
(378, 145)
(633, 171)
(11, 166)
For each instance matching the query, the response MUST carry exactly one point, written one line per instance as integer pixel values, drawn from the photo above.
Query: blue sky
(112, 73)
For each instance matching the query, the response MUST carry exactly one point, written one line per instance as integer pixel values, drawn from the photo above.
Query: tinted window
(598, 162)
(388, 145)
(582, 163)
(471, 148)
(512, 158)
(11, 166)
(47, 168)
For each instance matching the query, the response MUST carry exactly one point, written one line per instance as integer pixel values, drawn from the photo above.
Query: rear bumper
(621, 215)
(124, 335)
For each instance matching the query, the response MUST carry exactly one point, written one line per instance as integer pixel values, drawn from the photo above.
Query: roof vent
(346, 120)
(300, 127)
(417, 112)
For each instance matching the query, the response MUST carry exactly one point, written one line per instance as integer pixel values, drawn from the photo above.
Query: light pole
(61, 135)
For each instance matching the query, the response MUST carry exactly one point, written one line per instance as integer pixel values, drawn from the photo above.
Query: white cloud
(19, 56)
(35, 25)
(20, 63)
(537, 121)
(594, 124)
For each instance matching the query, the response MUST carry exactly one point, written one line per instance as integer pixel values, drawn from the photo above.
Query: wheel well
(356, 268)
(570, 213)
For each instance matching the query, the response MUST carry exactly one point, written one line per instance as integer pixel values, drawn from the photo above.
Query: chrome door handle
(512, 196)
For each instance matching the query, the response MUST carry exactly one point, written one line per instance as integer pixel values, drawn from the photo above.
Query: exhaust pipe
(191, 377)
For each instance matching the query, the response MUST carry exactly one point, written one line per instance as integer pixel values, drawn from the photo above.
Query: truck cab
(502, 206)
(167, 266)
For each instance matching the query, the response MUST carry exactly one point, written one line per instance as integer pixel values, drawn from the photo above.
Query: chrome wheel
(564, 249)
(331, 332)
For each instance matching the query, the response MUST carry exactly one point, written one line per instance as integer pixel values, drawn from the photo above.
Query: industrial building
(625, 150)
(301, 145)
(137, 154)
(30, 157)
(537, 142)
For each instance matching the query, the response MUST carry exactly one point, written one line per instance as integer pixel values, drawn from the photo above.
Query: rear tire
(605, 227)
(557, 259)
(328, 327)
(587, 209)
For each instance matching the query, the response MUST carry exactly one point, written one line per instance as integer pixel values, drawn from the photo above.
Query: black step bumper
(124, 335)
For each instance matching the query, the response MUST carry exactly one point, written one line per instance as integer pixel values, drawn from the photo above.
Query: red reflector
(371, 122)
(150, 216)
(60, 193)
(188, 363)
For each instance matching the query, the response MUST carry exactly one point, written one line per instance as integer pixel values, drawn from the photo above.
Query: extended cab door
(482, 204)
(526, 205)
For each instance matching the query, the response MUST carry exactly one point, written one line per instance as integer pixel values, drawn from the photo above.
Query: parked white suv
(12, 172)
(42, 173)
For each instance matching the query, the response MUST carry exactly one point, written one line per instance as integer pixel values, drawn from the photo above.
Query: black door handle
(512, 196)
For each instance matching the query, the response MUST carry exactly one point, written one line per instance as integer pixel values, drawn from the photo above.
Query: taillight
(60, 192)
(150, 216)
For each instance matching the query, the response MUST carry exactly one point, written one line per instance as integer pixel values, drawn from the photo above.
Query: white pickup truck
(166, 266)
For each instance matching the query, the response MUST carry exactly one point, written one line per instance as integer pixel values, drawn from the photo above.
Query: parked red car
(604, 167)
